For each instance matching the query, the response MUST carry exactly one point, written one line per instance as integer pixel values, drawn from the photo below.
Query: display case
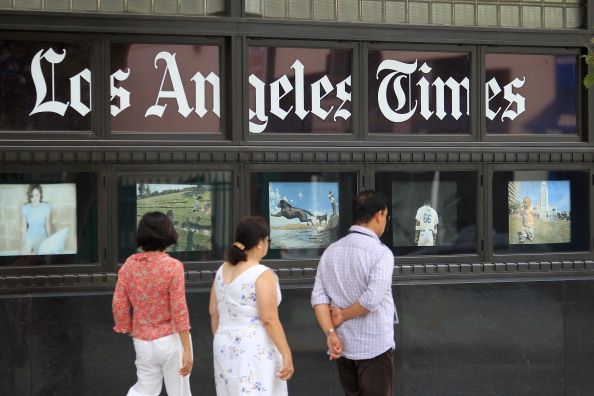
(538, 211)
(434, 212)
(307, 211)
(48, 218)
(199, 203)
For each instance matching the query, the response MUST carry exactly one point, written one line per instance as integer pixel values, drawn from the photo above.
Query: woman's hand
(187, 363)
(287, 370)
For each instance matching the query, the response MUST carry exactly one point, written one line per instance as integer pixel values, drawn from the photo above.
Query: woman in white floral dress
(250, 350)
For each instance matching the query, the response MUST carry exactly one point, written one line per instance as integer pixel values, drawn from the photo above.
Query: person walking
(250, 350)
(353, 303)
(152, 284)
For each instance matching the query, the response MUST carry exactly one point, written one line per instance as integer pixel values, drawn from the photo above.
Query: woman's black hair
(155, 232)
(366, 204)
(30, 192)
(249, 232)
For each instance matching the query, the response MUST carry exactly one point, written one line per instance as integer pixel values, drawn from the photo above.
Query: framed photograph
(433, 212)
(48, 218)
(188, 206)
(540, 211)
(303, 214)
(307, 211)
(198, 204)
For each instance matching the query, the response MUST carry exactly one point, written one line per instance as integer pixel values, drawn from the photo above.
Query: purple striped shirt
(358, 268)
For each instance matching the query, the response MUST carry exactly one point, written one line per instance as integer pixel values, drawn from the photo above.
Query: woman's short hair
(249, 232)
(30, 191)
(155, 232)
(366, 204)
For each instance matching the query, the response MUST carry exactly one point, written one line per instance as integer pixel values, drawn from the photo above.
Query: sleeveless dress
(245, 358)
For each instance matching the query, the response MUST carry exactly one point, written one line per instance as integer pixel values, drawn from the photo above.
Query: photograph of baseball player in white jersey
(426, 225)
(433, 212)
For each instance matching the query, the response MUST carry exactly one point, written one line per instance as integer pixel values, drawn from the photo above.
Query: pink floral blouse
(153, 285)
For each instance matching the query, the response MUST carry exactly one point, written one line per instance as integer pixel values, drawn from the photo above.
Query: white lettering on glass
(320, 89)
(401, 73)
(119, 92)
(41, 105)
(176, 93)
(492, 86)
(394, 96)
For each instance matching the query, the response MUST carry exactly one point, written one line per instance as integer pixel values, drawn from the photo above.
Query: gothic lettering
(176, 93)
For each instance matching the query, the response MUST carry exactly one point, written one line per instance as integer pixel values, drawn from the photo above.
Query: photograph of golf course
(189, 207)
(539, 212)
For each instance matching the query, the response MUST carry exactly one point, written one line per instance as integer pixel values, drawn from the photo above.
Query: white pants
(159, 360)
(425, 238)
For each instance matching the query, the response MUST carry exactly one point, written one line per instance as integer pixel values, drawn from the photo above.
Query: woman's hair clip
(239, 245)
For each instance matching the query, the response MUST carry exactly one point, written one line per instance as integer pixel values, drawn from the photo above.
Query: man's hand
(337, 316)
(334, 346)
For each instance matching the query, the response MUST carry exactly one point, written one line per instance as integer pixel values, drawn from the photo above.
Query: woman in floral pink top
(152, 285)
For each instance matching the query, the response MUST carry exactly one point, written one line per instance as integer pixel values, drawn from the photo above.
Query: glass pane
(139, 6)
(198, 203)
(573, 18)
(275, 8)
(395, 12)
(46, 86)
(531, 94)
(419, 92)
(165, 88)
(324, 10)
(553, 17)
(532, 17)
(57, 5)
(487, 15)
(299, 9)
(348, 10)
(441, 14)
(111, 6)
(371, 11)
(433, 212)
(306, 211)
(418, 13)
(464, 14)
(48, 218)
(536, 211)
(84, 5)
(300, 90)
(166, 7)
(510, 16)
(189, 7)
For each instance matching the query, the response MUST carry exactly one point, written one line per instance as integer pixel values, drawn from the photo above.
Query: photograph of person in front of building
(426, 225)
(539, 212)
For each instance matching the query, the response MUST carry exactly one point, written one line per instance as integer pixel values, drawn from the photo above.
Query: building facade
(210, 110)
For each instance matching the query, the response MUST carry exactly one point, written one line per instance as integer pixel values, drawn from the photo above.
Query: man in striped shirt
(352, 299)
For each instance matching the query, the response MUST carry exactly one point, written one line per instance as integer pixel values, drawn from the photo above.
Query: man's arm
(342, 315)
(380, 283)
(333, 342)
